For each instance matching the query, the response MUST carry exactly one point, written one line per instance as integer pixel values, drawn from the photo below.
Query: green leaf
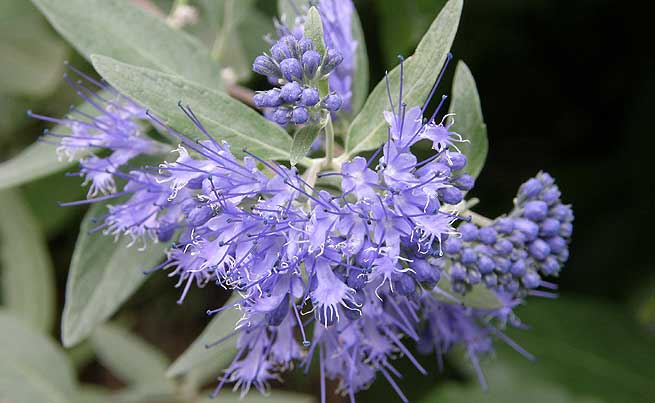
(32, 367)
(103, 275)
(146, 393)
(360, 79)
(28, 285)
(201, 362)
(302, 142)
(276, 396)
(93, 394)
(128, 357)
(290, 9)
(479, 297)
(590, 346)
(507, 384)
(42, 196)
(32, 57)
(35, 161)
(313, 30)
(124, 31)
(401, 25)
(369, 129)
(238, 29)
(222, 116)
(468, 120)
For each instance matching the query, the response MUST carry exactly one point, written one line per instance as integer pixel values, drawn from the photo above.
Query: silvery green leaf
(103, 274)
(237, 30)
(35, 161)
(203, 361)
(28, 285)
(276, 396)
(369, 129)
(32, 368)
(313, 30)
(32, 57)
(469, 123)
(291, 9)
(223, 117)
(146, 393)
(401, 25)
(124, 31)
(302, 142)
(127, 356)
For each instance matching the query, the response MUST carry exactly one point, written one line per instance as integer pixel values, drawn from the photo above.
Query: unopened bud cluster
(297, 67)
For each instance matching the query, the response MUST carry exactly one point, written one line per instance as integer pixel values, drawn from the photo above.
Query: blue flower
(364, 261)
(297, 68)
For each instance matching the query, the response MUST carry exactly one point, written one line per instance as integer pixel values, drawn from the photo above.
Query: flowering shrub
(343, 240)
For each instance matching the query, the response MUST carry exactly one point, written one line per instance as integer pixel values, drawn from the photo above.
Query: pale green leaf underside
(223, 117)
(468, 119)
(314, 30)
(290, 9)
(369, 129)
(32, 367)
(102, 275)
(124, 31)
(128, 357)
(28, 286)
(302, 142)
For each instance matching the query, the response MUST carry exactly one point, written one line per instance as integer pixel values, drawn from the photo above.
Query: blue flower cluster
(113, 127)
(514, 252)
(296, 65)
(365, 264)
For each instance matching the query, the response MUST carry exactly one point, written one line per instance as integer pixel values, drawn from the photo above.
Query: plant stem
(478, 219)
(329, 142)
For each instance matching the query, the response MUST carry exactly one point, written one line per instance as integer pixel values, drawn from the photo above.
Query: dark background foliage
(566, 87)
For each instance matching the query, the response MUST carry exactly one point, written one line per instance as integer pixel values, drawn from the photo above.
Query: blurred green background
(566, 87)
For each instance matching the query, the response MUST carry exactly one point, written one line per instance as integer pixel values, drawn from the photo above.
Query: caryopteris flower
(294, 64)
(374, 264)
(297, 67)
(114, 128)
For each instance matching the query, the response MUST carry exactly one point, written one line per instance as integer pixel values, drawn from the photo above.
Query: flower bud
(265, 66)
(332, 102)
(299, 115)
(290, 92)
(333, 58)
(310, 61)
(309, 97)
(291, 69)
(281, 116)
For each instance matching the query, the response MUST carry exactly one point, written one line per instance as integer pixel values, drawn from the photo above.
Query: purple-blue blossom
(358, 272)
(296, 67)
